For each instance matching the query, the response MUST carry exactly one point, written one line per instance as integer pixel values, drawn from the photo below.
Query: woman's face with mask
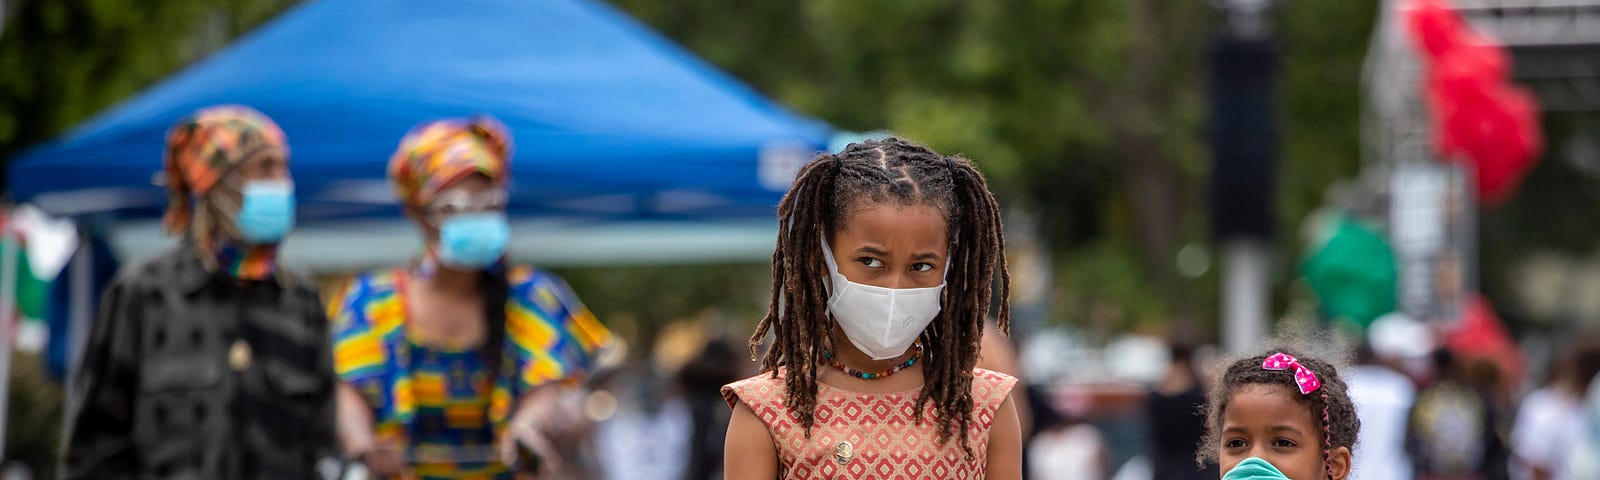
(257, 199)
(465, 223)
(269, 165)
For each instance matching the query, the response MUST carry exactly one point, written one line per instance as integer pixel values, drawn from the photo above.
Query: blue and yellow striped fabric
(550, 336)
(451, 433)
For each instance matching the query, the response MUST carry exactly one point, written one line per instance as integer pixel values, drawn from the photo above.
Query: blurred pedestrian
(1176, 407)
(449, 363)
(1584, 462)
(702, 379)
(1034, 413)
(1071, 449)
(997, 353)
(649, 436)
(885, 258)
(1383, 399)
(1452, 432)
(209, 361)
(1549, 424)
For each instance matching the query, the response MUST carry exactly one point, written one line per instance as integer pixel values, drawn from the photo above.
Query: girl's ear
(1339, 460)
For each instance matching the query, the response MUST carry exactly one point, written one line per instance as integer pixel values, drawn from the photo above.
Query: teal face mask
(266, 213)
(1254, 469)
(474, 240)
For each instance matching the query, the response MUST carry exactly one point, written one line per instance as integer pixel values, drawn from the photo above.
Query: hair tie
(837, 163)
(1303, 377)
(949, 164)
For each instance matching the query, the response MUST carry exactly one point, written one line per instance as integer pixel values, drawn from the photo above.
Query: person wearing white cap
(1383, 399)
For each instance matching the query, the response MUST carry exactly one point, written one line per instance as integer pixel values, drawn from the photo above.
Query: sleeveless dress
(871, 436)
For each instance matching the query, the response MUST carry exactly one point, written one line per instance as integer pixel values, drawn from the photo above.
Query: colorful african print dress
(441, 402)
(872, 436)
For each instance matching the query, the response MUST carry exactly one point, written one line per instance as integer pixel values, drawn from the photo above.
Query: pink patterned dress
(871, 436)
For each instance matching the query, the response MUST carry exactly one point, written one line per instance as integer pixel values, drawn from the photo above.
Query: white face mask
(881, 322)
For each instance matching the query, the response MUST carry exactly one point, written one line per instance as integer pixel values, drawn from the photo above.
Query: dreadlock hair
(1330, 405)
(210, 222)
(824, 193)
(495, 285)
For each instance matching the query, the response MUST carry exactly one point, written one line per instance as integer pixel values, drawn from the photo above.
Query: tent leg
(78, 323)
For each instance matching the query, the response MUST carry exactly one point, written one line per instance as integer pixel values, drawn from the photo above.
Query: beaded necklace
(872, 375)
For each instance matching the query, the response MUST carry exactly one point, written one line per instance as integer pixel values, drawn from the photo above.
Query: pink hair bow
(1303, 377)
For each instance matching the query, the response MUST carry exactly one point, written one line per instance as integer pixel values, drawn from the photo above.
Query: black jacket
(193, 374)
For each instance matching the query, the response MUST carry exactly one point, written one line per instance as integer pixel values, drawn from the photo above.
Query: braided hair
(1330, 405)
(824, 193)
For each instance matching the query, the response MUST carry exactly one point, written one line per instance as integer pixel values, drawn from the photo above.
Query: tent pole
(78, 318)
(8, 312)
(78, 323)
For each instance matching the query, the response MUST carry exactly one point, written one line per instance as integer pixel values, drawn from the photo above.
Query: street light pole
(1244, 146)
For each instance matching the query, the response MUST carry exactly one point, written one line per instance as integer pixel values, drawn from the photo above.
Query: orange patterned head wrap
(437, 154)
(207, 145)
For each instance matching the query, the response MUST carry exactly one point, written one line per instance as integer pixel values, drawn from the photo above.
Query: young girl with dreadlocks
(882, 277)
(1280, 416)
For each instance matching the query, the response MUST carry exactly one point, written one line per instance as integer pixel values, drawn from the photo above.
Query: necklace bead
(872, 375)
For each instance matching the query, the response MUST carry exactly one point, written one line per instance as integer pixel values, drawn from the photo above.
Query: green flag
(1352, 272)
(32, 292)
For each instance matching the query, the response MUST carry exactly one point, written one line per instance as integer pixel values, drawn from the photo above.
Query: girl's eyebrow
(872, 251)
(1287, 428)
(1274, 428)
(925, 256)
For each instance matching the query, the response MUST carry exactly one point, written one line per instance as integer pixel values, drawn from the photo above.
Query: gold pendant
(239, 355)
(844, 452)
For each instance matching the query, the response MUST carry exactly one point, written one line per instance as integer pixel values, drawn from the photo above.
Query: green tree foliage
(1086, 112)
(637, 301)
(1090, 114)
(63, 60)
(1325, 45)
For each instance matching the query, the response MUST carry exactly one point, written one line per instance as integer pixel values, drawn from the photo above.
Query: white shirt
(1548, 428)
(1065, 453)
(1383, 400)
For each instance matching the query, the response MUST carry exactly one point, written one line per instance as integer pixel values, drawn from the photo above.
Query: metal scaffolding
(1555, 44)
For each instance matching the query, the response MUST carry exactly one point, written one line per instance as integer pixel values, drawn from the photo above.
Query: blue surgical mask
(266, 214)
(1254, 469)
(473, 240)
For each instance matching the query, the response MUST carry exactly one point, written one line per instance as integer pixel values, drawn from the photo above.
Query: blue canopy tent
(610, 120)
